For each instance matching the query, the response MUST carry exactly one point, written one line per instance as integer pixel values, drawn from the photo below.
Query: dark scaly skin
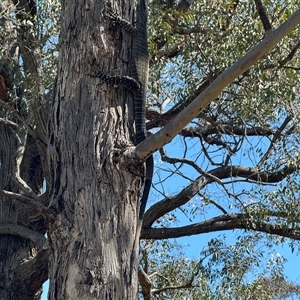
(139, 69)
(137, 84)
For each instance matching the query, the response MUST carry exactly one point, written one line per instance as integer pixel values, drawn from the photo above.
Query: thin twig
(276, 137)
(11, 124)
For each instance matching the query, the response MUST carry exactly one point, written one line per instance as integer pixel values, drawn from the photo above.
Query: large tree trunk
(93, 193)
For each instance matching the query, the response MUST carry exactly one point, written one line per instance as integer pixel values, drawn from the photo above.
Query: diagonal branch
(11, 124)
(263, 15)
(277, 135)
(37, 205)
(145, 283)
(290, 55)
(30, 197)
(163, 119)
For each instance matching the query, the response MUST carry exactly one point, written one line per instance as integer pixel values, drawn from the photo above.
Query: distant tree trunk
(23, 265)
(92, 191)
(23, 260)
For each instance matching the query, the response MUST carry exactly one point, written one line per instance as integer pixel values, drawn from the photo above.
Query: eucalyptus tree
(223, 89)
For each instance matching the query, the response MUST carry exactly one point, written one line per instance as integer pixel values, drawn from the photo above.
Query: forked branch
(165, 135)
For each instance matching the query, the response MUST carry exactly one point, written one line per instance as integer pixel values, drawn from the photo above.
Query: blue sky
(194, 244)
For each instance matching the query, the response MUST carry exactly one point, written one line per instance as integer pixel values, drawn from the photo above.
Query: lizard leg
(128, 82)
(127, 26)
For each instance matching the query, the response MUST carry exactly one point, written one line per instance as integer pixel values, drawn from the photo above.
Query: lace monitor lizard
(136, 82)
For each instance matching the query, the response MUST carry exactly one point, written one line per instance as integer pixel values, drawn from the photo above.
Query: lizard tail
(147, 185)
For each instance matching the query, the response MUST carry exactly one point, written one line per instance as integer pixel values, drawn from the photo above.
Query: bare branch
(229, 129)
(30, 197)
(11, 124)
(170, 203)
(163, 119)
(146, 284)
(173, 160)
(168, 159)
(276, 136)
(224, 222)
(263, 15)
(250, 174)
(39, 240)
(17, 159)
(290, 55)
(36, 205)
(218, 206)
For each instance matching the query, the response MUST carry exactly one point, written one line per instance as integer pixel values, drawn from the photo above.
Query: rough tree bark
(23, 257)
(93, 188)
(94, 192)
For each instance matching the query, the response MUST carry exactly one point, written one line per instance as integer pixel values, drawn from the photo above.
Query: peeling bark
(23, 260)
(93, 194)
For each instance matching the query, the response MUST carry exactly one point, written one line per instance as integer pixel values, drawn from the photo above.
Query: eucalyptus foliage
(252, 125)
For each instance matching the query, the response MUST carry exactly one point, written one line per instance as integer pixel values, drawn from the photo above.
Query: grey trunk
(93, 192)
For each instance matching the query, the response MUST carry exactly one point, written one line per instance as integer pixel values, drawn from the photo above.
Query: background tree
(69, 166)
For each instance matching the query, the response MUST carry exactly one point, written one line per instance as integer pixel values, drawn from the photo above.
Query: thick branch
(36, 205)
(253, 174)
(33, 272)
(38, 239)
(170, 203)
(163, 119)
(16, 162)
(263, 15)
(224, 222)
(146, 284)
(226, 129)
